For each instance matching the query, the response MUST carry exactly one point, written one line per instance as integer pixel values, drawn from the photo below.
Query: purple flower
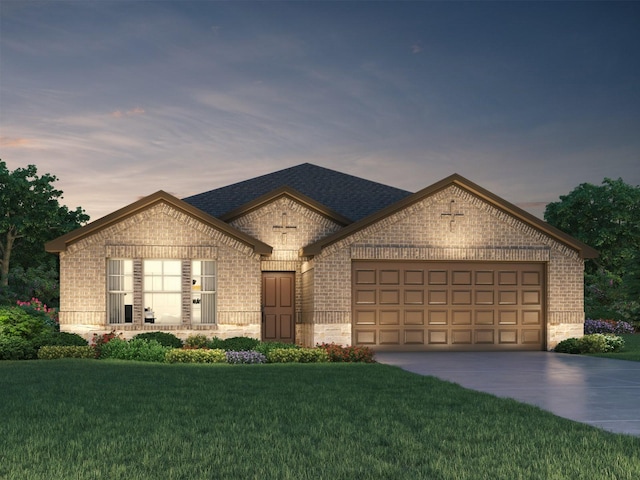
(249, 356)
(607, 326)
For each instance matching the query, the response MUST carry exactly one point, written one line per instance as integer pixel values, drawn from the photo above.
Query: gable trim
(583, 250)
(61, 243)
(292, 194)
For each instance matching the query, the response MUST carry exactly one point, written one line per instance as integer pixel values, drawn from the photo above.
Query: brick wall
(436, 229)
(166, 233)
(428, 231)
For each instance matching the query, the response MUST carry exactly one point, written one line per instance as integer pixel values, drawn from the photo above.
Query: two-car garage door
(448, 305)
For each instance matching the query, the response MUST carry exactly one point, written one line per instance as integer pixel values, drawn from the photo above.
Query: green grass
(87, 419)
(631, 350)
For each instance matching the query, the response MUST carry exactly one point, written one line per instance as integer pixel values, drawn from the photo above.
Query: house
(311, 255)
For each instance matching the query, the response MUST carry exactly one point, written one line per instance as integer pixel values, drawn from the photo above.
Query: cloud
(15, 142)
(416, 48)
(128, 113)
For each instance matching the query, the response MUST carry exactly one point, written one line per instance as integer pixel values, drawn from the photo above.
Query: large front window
(162, 291)
(165, 292)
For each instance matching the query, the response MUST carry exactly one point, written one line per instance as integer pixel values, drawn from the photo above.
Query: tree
(607, 218)
(30, 215)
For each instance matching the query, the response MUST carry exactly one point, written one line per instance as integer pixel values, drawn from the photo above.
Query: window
(120, 291)
(203, 291)
(162, 291)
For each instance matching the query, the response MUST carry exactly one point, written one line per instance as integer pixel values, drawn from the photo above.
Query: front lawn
(84, 419)
(630, 351)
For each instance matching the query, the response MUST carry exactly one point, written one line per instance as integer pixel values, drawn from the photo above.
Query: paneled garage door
(448, 305)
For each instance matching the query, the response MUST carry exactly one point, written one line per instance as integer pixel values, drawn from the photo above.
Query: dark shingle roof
(352, 197)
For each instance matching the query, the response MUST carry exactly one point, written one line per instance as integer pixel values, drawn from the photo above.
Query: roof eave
(583, 250)
(61, 243)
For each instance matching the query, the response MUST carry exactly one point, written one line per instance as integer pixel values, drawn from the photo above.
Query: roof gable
(583, 250)
(350, 197)
(61, 243)
(286, 192)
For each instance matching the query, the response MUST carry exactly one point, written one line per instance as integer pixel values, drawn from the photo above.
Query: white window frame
(203, 292)
(119, 290)
(162, 291)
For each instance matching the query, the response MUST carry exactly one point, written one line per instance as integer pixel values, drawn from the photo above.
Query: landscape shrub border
(592, 343)
(52, 352)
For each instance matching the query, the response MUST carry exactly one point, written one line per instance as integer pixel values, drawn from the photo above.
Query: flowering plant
(36, 306)
(607, 326)
(246, 356)
(98, 341)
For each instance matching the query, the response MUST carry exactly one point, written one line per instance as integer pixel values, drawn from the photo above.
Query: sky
(120, 99)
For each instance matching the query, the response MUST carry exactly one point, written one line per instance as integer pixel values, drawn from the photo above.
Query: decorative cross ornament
(452, 214)
(283, 228)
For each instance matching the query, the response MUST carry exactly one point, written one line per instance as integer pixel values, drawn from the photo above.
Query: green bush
(50, 352)
(216, 355)
(64, 339)
(297, 355)
(239, 344)
(17, 322)
(163, 338)
(593, 343)
(16, 348)
(569, 345)
(215, 343)
(265, 347)
(615, 343)
(197, 341)
(134, 349)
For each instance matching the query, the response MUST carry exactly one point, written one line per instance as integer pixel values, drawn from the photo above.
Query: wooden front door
(278, 307)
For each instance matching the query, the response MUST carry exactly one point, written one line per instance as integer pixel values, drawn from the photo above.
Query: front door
(278, 307)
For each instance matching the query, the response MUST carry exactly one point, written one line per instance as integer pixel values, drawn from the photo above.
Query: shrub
(18, 322)
(135, 349)
(615, 343)
(197, 341)
(245, 356)
(592, 343)
(50, 352)
(99, 341)
(13, 347)
(65, 339)
(239, 344)
(266, 347)
(163, 338)
(569, 345)
(338, 353)
(297, 355)
(216, 343)
(36, 308)
(215, 355)
(617, 327)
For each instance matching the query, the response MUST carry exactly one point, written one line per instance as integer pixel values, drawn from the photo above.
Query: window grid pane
(162, 286)
(120, 290)
(203, 299)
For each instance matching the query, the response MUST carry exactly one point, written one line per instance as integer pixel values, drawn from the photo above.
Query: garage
(415, 306)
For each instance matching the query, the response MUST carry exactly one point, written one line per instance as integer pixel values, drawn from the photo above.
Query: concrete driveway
(601, 392)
